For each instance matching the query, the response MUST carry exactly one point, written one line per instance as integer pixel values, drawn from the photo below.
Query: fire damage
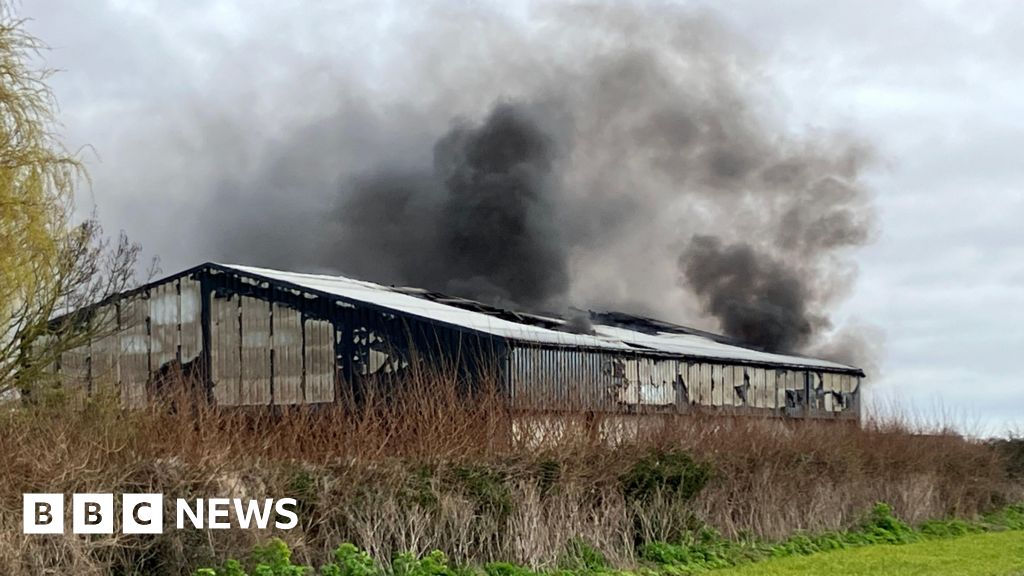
(253, 336)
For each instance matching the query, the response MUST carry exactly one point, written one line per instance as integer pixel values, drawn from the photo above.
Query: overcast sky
(935, 88)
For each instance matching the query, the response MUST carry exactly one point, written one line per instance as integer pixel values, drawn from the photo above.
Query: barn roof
(610, 331)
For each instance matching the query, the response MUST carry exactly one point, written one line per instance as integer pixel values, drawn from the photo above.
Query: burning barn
(255, 336)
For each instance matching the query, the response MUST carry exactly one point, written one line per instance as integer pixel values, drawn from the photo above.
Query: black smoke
(483, 223)
(756, 298)
(624, 156)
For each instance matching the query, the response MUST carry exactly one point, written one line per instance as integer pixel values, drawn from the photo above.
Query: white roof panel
(608, 337)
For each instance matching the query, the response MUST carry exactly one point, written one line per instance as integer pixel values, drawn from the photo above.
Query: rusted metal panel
(255, 387)
(319, 360)
(287, 345)
(163, 319)
(225, 349)
(134, 350)
(190, 318)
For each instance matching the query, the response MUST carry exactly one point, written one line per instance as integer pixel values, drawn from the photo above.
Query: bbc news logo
(144, 513)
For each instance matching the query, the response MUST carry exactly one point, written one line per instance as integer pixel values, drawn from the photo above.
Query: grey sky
(934, 87)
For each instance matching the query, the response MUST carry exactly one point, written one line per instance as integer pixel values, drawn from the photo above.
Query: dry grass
(428, 469)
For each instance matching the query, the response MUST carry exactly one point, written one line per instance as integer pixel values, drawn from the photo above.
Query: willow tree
(51, 267)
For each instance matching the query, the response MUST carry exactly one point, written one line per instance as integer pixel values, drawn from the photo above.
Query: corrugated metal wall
(142, 335)
(319, 360)
(286, 342)
(133, 353)
(552, 378)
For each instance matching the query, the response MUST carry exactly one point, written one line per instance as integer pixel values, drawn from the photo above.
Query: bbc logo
(93, 513)
(144, 513)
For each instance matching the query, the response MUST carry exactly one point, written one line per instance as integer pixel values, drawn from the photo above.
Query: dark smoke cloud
(483, 223)
(623, 156)
(755, 297)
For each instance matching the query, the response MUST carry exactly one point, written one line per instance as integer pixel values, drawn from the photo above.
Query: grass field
(994, 554)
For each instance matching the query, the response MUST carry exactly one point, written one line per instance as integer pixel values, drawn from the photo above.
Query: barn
(253, 337)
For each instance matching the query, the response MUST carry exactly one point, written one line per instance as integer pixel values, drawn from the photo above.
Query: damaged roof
(613, 331)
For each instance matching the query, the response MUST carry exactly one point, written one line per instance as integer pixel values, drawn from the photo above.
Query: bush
(350, 561)
(702, 549)
(948, 528)
(506, 569)
(1012, 450)
(881, 526)
(433, 564)
(486, 487)
(669, 473)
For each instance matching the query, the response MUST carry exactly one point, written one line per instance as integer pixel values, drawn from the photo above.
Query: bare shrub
(428, 465)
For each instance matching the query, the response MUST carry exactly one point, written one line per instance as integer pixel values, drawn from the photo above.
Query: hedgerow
(703, 550)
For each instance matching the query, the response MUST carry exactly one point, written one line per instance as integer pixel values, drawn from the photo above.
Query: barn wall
(144, 335)
(552, 378)
(271, 344)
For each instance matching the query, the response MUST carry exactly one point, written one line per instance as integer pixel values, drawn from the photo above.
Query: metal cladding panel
(255, 387)
(225, 349)
(163, 320)
(565, 379)
(574, 379)
(74, 367)
(134, 350)
(104, 365)
(756, 392)
(771, 383)
(815, 392)
(628, 392)
(319, 360)
(845, 383)
(717, 397)
(827, 397)
(700, 383)
(190, 317)
(732, 378)
(104, 372)
(658, 379)
(287, 345)
(795, 380)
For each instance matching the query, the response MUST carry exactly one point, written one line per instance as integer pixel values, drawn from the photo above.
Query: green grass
(880, 544)
(992, 554)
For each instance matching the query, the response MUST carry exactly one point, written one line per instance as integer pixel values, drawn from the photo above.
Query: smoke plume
(622, 156)
(482, 223)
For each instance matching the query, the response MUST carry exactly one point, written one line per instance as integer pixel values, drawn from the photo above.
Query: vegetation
(425, 470)
(704, 551)
(48, 264)
(998, 554)
(418, 481)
